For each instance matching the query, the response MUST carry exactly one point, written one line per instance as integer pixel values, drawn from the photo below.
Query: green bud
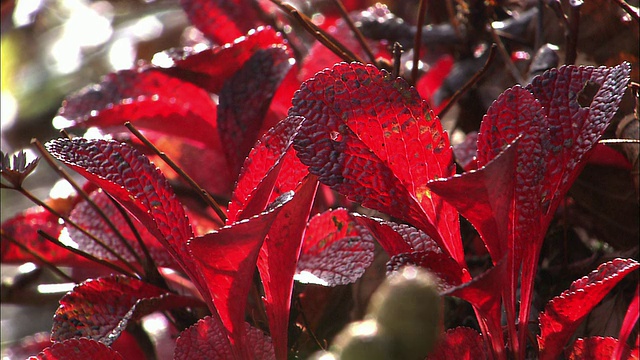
(407, 307)
(362, 340)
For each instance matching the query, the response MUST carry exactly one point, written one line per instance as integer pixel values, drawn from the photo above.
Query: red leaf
(336, 250)
(86, 217)
(244, 101)
(563, 314)
(101, 309)
(465, 152)
(397, 238)
(372, 138)
(596, 348)
(461, 344)
(262, 169)
(607, 156)
(139, 186)
(23, 227)
(449, 273)
(77, 349)
(227, 259)
(630, 320)
(148, 98)
(206, 339)
(278, 258)
(210, 68)
(222, 20)
(482, 294)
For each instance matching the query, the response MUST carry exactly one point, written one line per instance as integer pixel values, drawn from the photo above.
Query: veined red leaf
(461, 344)
(397, 238)
(139, 186)
(336, 250)
(449, 273)
(222, 20)
(278, 257)
(227, 260)
(86, 217)
(563, 314)
(101, 309)
(78, 349)
(149, 99)
(262, 168)
(23, 227)
(630, 320)
(210, 68)
(596, 348)
(244, 101)
(207, 340)
(372, 138)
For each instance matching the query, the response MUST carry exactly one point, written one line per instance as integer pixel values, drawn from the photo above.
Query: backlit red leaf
(336, 250)
(210, 68)
(461, 344)
(563, 314)
(278, 258)
(372, 138)
(244, 101)
(630, 320)
(222, 20)
(101, 309)
(596, 348)
(23, 227)
(227, 259)
(86, 217)
(441, 265)
(150, 100)
(78, 349)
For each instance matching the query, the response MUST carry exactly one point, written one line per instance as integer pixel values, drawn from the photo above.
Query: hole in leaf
(586, 94)
(335, 136)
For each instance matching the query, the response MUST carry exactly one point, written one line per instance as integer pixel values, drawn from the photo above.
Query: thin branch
(39, 258)
(513, 69)
(422, 12)
(397, 59)
(67, 220)
(203, 193)
(65, 133)
(631, 10)
(572, 32)
(49, 159)
(619, 141)
(86, 255)
(327, 40)
(355, 30)
(471, 82)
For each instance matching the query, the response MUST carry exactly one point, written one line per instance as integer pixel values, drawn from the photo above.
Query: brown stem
(422, 12)
(325, 39)
(86, 255)
(354, 29)
(38, 258)
(67, 220)
(470, 83)
(572, 32)
(397, 59)
(202, 192)
(513, 69)
(65, 134)
(58, 169)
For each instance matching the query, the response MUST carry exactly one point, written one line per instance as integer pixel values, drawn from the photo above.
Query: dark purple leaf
(398, 238)
(449, 273)
(77, 349)
(206, 339)
(244, 101)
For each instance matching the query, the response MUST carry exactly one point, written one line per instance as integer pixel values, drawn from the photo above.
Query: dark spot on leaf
(586, 94)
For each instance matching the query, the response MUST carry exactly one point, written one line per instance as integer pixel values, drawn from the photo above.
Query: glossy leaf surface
(336, 250)
(78, 349)
(372, 138)
(563, 314)
(149, 99)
